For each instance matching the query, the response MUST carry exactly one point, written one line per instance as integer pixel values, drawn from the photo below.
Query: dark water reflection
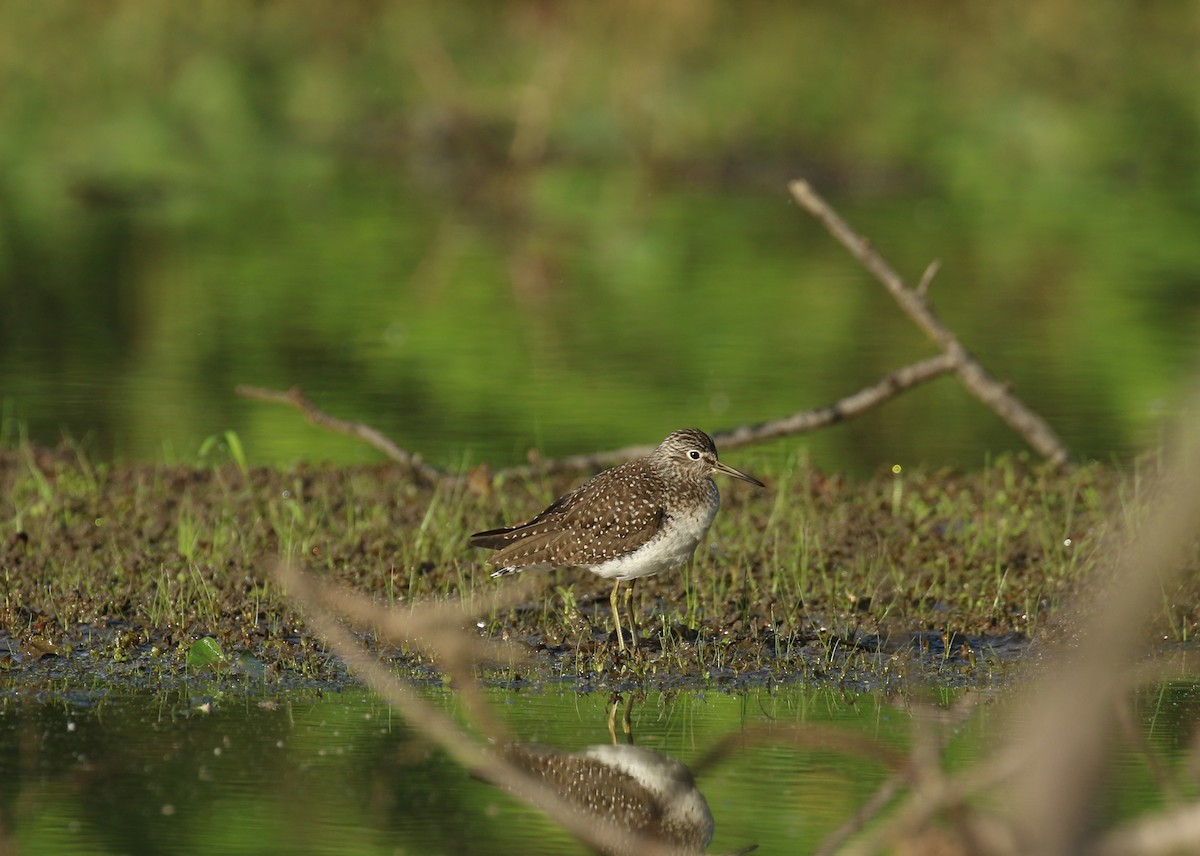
(151, 772)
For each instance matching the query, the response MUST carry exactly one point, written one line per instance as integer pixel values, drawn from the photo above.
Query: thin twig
(372, 436)
(931, 271)
(978, 381)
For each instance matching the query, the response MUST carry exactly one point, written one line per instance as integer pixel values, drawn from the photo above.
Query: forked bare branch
(978, 381)
(954, 357)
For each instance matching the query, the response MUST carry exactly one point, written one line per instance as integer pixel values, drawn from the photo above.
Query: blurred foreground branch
(438, 630)
(1071, 715)
(1050, 774)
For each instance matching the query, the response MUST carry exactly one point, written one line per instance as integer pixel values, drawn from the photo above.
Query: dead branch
(437, 726)
(372, 436)
(888, 386)
(954, 358)
(439, 629)
(978, 381)
(1172, 831)
(937, 795)
(1069, 716)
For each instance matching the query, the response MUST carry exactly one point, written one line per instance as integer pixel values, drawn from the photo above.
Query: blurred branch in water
(928, 791)
(889, 386)
(1161, 772)
(886, 387)
(954, 358)
(434, 631)
(978, 381)
(372, 436)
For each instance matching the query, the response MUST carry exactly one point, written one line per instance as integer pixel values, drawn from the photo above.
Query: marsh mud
(114, 573)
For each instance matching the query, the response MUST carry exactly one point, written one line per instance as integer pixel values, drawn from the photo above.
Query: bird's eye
(694, 455)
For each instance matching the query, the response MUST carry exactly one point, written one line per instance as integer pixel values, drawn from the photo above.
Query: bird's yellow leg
(632, 617)
(626, 719)
(612, 600)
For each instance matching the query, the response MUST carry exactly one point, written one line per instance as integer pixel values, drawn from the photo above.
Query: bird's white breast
(673, 545)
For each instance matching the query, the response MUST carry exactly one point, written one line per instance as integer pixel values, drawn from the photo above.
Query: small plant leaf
(229, 443)
(204, 652)
(234, 444)
(207, 446)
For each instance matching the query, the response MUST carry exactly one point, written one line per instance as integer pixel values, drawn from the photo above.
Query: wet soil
(112, 573)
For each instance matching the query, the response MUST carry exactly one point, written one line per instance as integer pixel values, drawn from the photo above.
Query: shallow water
(337, 772)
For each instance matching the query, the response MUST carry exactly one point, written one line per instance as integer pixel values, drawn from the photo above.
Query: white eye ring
(694, 455)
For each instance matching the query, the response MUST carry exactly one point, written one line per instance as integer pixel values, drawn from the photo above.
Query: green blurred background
(484, 227)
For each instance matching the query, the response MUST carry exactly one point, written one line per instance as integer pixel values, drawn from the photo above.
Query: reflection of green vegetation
(293, 772)
(491, 227)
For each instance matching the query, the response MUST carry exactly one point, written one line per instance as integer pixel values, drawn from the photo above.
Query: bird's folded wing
(585, 527)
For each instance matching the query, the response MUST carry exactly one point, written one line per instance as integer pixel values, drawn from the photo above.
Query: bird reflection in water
(638, 790)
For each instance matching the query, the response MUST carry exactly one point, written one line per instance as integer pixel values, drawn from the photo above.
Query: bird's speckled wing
(596, 522)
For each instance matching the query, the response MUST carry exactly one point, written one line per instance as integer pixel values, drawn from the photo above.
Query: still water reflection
(151, 772)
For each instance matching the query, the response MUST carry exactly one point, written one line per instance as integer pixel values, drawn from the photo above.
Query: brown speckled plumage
(639, 790)
(643, 517)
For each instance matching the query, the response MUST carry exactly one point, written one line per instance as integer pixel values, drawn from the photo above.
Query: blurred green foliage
(484, 226)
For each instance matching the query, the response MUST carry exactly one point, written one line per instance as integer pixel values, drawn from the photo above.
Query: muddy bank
(115, 572)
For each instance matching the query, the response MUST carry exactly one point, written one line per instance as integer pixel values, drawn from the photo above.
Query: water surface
(108, 771)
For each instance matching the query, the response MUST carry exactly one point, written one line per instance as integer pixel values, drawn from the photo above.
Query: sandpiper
(645, 516)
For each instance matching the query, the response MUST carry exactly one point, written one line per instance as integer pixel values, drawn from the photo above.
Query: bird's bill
(730, 471)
